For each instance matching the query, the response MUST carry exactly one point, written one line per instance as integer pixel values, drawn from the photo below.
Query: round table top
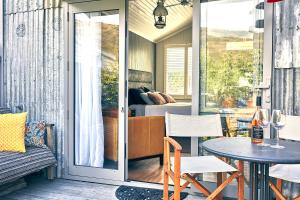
(241, 148)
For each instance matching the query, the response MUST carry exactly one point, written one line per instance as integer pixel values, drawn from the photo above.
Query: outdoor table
(260, 158)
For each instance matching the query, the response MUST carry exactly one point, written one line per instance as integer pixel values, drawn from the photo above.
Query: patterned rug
(137, 193)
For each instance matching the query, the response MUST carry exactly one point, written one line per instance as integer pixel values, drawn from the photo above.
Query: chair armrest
(177, 157)
(50, 137)
(176, 145)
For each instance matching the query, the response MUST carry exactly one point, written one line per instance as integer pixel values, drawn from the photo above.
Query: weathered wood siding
(33, 62)
(286, 90)
(286, 72)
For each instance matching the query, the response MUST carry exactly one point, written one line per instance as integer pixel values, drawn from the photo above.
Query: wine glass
(264, 118)
(278, 122)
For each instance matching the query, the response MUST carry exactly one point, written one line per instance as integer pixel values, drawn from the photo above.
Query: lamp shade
(160, 15)
(273, 1)
(160, 9)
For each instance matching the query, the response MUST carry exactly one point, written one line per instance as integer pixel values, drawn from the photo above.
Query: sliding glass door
(230, 63)
(97, 90)
(232, 34)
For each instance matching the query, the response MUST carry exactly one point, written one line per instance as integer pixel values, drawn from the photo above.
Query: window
(178, 67)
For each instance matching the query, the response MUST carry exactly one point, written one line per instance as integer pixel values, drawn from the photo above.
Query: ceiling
(141, 19)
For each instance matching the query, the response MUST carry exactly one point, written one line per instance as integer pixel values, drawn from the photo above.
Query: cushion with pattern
(35, 134)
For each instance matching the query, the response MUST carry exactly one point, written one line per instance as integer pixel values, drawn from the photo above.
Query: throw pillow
(12, 132)
(35, 134)
(135, 97)
(156, 98)
(146, 98)
(168, 98)
(146, 89)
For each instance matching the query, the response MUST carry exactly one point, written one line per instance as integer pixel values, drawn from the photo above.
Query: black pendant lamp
(160, 15)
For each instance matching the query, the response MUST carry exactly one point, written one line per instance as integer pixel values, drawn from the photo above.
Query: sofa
(14, 166)
(145, 137)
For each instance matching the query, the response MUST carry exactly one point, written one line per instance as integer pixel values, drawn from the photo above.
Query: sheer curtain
(89, 132)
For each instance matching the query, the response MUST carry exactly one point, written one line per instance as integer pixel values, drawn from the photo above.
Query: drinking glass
(264, 118)
(278, 122)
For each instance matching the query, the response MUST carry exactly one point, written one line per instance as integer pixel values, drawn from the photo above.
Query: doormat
(138, 193)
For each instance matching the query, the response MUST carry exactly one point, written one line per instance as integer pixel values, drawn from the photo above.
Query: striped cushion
(16, 165)
(4, 110)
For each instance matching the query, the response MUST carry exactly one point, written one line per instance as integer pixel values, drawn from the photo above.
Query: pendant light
(160, 15)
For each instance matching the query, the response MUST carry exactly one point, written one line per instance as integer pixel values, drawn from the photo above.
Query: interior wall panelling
(141, 53)
(33, 63)
(183, 37)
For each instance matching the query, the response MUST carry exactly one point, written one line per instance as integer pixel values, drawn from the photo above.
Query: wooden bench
(35, 159)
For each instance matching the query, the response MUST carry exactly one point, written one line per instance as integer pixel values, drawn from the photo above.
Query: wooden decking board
(61, 189)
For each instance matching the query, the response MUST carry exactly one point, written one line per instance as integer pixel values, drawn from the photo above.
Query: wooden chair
(285, 172)
(188, 168)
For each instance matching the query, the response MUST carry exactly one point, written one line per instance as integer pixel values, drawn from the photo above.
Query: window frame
(186, 47)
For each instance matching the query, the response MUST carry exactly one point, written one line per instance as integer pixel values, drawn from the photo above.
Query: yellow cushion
(12, 132)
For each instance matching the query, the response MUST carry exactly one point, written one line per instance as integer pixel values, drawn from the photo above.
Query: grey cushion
(16, 165)
(146, 98)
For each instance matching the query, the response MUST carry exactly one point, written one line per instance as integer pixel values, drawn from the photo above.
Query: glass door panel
(97, 90)
(231, 55)
(231, 62)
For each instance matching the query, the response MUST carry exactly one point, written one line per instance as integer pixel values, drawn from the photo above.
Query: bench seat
(16, 165)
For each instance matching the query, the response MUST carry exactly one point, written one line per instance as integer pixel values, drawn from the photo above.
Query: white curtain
(89, 132)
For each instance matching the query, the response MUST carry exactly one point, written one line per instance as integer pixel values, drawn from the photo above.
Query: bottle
(257, 133)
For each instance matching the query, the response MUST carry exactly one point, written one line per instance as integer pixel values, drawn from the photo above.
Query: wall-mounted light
(160, 15)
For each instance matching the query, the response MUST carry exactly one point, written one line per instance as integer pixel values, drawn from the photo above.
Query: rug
(138, 193)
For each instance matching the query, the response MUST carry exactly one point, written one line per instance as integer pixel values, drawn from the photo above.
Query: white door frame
(83, 173)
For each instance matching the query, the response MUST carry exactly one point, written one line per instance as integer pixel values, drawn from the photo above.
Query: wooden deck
(61, 189)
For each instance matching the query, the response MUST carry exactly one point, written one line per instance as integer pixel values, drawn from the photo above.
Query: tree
(230, 77)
